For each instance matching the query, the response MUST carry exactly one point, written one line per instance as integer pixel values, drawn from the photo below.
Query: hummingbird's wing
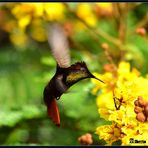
(59, 45)
(53, 111)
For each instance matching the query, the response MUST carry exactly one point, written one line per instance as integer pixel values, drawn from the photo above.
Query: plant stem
(95, 32)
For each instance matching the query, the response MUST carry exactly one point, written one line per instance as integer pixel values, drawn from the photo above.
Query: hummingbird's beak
(92, 76)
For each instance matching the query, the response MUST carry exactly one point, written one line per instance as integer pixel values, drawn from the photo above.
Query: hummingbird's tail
(53, 112)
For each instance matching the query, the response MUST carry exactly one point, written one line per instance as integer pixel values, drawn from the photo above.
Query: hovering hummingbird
(66, 75)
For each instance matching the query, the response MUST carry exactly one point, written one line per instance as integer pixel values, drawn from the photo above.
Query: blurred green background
(26, 65)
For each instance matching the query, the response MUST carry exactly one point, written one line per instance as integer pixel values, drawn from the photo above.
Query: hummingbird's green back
(74, 77)
(76, 73)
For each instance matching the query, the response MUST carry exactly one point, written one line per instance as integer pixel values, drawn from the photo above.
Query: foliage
(109, 37)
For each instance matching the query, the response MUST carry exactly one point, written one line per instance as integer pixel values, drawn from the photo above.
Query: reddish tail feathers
(53, 112)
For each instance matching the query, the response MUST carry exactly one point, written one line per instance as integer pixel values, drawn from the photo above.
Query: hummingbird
(66, 75)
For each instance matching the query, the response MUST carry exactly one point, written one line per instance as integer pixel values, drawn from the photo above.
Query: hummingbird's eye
(82, 69)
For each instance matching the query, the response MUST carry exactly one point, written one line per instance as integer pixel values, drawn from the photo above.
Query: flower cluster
(30, 17)
(28, 20)
(116, 104)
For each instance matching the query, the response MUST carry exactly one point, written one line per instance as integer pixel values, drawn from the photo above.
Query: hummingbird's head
(79, 71)
(84, 68)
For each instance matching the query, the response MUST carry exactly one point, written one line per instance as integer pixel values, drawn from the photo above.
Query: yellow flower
(117, 116)
(143, 127)
(84, 11)
(109, 133)
(34, 15)
(24, 21)
(105, 101)
(130, 129)
(19, 10)
(38, 31)
(38, 9)
(54, 11)
(104, 113)
(116, 104)
(124, 73)
(124, 93)
(124, 68)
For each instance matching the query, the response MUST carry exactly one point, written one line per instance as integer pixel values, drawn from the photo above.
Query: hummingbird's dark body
(56, 87)
(66, 75)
